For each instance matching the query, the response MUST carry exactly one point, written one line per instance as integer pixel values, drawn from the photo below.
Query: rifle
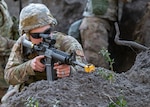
(46, 47)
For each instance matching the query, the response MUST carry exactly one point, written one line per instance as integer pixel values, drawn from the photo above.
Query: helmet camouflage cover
(35, 15)
(106, 9)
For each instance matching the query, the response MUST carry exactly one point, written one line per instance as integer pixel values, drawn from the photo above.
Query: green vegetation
(32, 102)
(120, 102)
(106, 74)
(106, 55)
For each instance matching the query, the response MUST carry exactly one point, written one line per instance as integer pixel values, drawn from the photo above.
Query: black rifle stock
(47, 49)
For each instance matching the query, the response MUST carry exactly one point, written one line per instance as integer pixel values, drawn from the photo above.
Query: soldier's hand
(63, 70)
(37, 65)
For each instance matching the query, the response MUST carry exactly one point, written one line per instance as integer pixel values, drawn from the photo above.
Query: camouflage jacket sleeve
(16, 70)
(5, 45)
(6, 22)
(69, 44)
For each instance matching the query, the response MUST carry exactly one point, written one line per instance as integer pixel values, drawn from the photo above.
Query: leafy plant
(106, 74)
(32, 102)
(106, 55)
(119, 103)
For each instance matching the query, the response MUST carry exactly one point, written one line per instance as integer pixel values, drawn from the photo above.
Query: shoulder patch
(79, 53)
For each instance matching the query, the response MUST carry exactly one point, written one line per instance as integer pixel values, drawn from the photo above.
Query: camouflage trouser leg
(94, 36)
(3, 84)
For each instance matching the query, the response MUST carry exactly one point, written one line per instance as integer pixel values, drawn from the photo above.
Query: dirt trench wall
(132, 17)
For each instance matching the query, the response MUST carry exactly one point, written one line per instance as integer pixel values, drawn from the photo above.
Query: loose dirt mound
(140, 71)
(92, 90)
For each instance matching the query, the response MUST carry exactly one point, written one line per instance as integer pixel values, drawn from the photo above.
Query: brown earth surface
(92, 89)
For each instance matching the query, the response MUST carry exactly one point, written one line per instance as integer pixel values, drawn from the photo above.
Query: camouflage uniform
(5, 42)
(6, 22)
(18, 69)
(5, 46)
(95, 29)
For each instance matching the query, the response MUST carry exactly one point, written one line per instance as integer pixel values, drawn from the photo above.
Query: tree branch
(127, 43)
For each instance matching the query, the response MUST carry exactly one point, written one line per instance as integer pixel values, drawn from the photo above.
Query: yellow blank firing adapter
(89, 68)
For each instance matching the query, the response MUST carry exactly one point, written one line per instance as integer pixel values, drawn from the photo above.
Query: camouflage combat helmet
(35, 15)
(96, 7)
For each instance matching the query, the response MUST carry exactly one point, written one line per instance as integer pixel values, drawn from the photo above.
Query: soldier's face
(34, 34)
